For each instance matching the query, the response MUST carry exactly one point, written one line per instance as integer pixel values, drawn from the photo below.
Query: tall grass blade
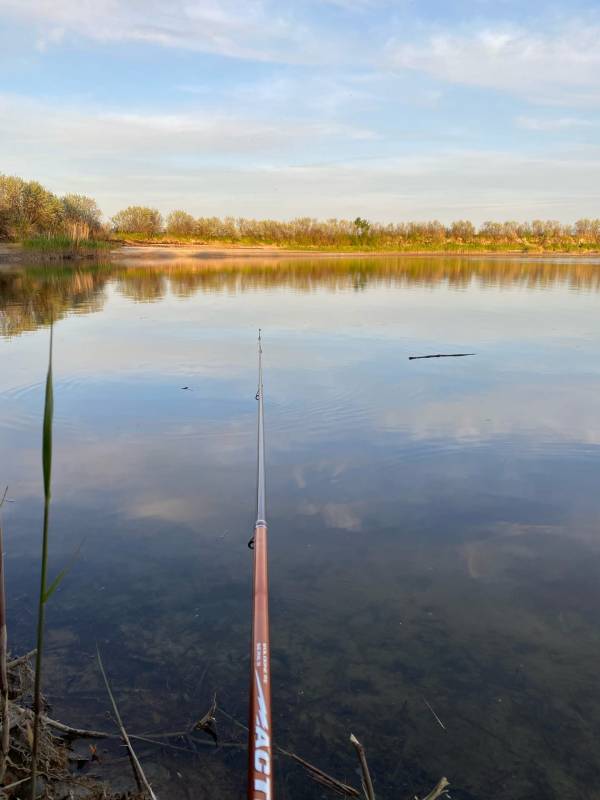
(55, 584)
(48, 415)
(47, 470)
(4, 701)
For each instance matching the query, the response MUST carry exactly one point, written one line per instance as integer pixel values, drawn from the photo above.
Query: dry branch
(437, 719)
(20, 660)
(440, 790)
(314, 772)
(137, 767)
(208, 723)
(367, 783)
(80, 733)
(322, 777)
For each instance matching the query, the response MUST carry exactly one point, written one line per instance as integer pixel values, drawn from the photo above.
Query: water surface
(434, 524)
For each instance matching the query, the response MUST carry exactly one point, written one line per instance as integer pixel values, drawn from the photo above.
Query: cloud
(508, 57)
(43, 129)
(555, 124)
(343, 516)
(253, 29)
(214, 162)
(563, 416)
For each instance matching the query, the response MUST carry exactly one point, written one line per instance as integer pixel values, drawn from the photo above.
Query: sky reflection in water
(434, 523)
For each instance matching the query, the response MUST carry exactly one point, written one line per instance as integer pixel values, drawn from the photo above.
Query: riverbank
(16, 252)
(134, 253)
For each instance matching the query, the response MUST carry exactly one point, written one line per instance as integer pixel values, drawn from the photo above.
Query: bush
(138, 219)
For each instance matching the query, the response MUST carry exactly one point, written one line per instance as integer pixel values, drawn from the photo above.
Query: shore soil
(14, 253)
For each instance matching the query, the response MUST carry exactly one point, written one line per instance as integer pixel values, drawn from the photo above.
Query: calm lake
(434, 524)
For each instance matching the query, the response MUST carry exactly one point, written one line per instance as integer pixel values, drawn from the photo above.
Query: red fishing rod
(260, 735)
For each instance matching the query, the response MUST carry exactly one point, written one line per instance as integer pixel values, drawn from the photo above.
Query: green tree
(26, 207)
(463, 230)
(362, 226)
(138, 219)
(180, 223)
(77, 208)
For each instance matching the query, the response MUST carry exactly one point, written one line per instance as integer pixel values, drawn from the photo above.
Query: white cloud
(220, 164)
(562, 415)
(252, 29)
(555, 124)
(44, 130)
(511, 58)
(344, 516)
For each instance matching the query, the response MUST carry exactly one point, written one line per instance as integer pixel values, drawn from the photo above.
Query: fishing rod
(260, 737)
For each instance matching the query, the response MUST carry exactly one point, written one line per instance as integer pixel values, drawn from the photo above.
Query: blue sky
(272, 108)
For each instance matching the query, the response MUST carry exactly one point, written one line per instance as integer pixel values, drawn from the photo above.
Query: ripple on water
(21, 406)
(323, 415)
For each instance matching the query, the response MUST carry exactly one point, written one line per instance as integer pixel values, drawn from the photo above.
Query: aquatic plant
(65, 245)
(45, 591)
(4, 701)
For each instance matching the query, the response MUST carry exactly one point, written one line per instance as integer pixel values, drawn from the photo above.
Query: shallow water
(434, 524)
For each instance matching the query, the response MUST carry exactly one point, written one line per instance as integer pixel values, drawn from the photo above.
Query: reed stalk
(44, 594)
(5, 708)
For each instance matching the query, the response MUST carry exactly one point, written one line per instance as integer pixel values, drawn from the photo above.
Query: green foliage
(82, 210)
(28, 211)
(138, 219)
(63, 245)
(52, 225)
(27, 208)
(180, 223)
(362, 226)
(43, 596)
(47, 430)
(359, 234)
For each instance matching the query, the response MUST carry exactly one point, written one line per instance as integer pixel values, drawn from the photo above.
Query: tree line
(28, 209)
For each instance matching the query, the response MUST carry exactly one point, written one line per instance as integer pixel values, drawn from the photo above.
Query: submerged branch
(322, 777)
(367, 783)
(440, 790)
(137, 767)
(317, 774)
(79, 733)
(208, 723)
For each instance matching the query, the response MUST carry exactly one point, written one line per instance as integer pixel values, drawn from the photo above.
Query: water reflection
(434, 524)
(31, 296)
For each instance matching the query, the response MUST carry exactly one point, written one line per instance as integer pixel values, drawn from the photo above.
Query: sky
(391, 110)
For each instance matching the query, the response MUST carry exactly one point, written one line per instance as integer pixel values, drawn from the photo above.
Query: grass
(63, 246)
(370, 244)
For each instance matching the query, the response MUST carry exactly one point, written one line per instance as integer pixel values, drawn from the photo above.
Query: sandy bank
(131, 254)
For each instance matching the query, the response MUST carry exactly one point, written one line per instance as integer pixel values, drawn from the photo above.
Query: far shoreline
(208, 251)
(15, 254)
